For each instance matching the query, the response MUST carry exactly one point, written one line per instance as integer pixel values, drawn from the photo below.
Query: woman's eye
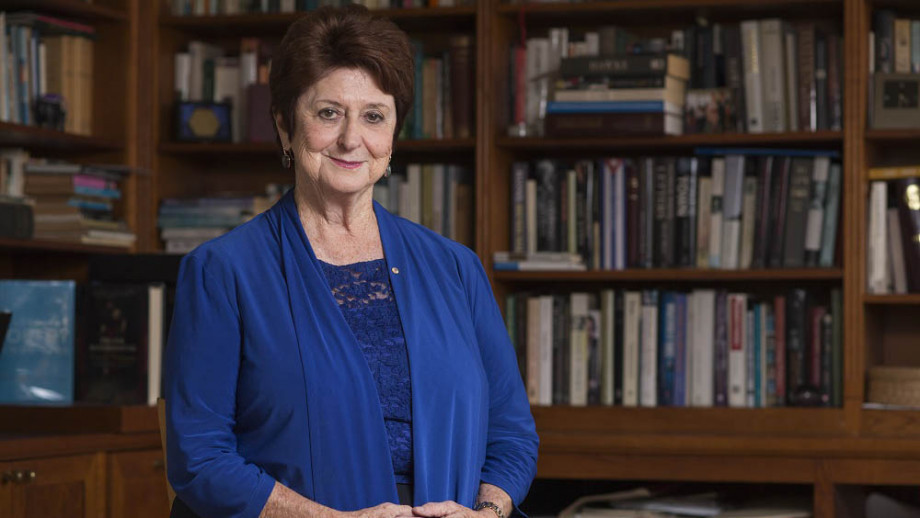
(374, 117)
(327, 113)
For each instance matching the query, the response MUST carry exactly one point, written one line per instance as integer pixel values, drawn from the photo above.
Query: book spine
(632, 323)
(737, 355)
(763, 223)
(625, 65)
(808, 118)
(753, 86)
(835, 81)
(704, 215)
(901, 48)
(519, 173)
(780, 192)
(831, 215)
(734, 75)
(748, 221)
(685, 211)
(648, 353)
(732, 210)
(876, 260)
(792, 92)
(568, 125)
(667, 355)
(797, 212)
(779, 337)
(664, 212)
(773, 76)
(908, 203)
(560, 350)
(716, 212)
(821, 95)
(884, 40)
(796, 340)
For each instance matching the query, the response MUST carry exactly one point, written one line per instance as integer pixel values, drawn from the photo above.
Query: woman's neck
(341, 231)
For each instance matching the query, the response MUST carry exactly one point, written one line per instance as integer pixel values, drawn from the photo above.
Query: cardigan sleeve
(511, 449)
(202, 364)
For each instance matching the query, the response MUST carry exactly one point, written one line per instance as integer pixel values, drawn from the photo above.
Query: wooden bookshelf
(44, 245)
(47, 140)
(910, 299)
(78, 9)
(675, 275)
(826, 139)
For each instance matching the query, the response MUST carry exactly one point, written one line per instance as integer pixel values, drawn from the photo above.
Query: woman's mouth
(345, 163)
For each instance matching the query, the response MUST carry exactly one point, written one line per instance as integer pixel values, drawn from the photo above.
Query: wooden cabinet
(137, 484)
(72, 486)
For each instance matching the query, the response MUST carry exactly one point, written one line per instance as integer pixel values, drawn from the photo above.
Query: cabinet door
(59, 486)
(137, 485)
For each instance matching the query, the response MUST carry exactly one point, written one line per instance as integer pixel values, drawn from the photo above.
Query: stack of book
(78, 203)
(893, 237)
(551, 261)
(185, 223)
(619, 95)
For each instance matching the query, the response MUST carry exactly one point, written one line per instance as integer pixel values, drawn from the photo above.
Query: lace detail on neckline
(356, 285)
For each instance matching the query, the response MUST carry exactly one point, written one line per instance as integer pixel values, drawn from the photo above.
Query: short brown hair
(348, 37)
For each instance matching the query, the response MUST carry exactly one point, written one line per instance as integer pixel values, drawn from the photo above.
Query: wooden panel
(63, 486)
(77, 419)
(910, 299)
(891, 423)
(874, 472)
(137, 485)
(42, 140)
(14, 447)
(746, 422)
(675, 467)
(78, 9)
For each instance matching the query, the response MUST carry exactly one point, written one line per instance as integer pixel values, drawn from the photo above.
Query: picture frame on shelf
(896, 102)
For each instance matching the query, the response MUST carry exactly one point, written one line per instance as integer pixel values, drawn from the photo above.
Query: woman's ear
(283, 135)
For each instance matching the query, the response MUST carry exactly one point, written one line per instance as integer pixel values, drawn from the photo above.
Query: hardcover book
(37, 359)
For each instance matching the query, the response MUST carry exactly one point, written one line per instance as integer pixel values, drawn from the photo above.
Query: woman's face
(344, 133)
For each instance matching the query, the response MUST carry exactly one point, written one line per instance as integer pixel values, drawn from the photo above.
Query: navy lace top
(364, 296)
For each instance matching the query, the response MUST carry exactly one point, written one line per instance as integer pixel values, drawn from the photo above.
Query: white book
(896, 253)
(249, 75)
(814, 223)
(648, 350)
(792, 78)
(732, 203)
(715, 218)
(288, 6)
(537, 59)
(877, 239)
(545, 395)
(753, 87)
(200, 52)
(703, 353)
(703, 220)
(737, 349)
(414, 201)
(748, 217)
(578, 349)
(608, 341)
(773, 75)
(154, 341)
(632, 320)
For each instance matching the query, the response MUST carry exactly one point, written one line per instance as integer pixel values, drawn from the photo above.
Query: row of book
(185, 223)
(64, 201)
(438, 196)
(231, 7)
(95, 343)
(893, 233)
(723, 208)
(757, 76)
(895, 42)
(701, 348)
(442, 106)
(46, 72)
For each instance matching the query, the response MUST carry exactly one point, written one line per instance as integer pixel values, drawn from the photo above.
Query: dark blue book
(37, 359)
(610, 107)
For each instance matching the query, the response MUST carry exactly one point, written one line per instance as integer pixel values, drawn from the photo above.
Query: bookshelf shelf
(910, 299)
(675, 275)
(57, 246)
(270, 148)
(896, 136)
(667, 8)
(70, 8)
(811, 140)
(691, 421)
(893, 423)
(425, 19)
(41, 139)
(78, 418)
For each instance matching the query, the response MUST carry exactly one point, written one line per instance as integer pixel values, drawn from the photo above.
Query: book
(37, 362)
(592, 125)
(907, 196)
(626, 65)
(120, 344)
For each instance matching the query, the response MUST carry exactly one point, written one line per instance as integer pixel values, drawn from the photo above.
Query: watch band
(495, 508)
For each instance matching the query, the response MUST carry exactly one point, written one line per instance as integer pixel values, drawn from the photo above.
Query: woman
(328, 358)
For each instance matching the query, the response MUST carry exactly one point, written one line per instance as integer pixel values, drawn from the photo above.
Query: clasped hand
(445, 509)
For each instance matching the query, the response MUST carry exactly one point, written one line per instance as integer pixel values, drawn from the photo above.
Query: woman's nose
(350, 134)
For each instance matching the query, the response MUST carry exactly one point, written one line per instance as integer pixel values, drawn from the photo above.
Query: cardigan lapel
(349, 451)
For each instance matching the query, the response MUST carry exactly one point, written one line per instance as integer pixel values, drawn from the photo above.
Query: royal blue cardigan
(265, 380)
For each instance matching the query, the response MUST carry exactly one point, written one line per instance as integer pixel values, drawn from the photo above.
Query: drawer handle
(18, 476)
